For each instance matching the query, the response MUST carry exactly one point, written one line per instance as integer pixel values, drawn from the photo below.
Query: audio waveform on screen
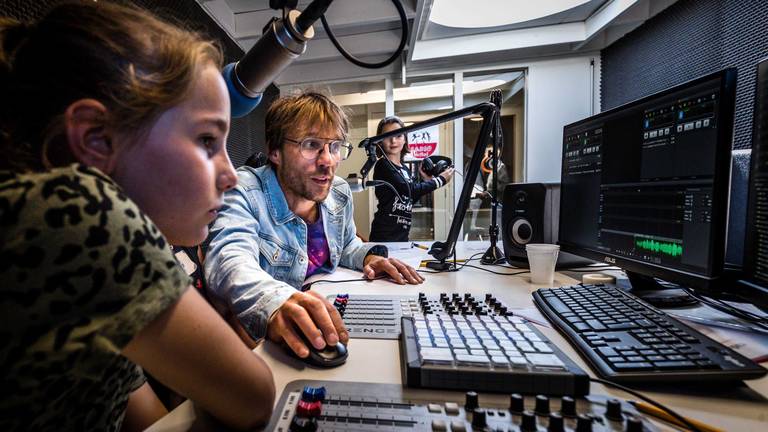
(666, 248)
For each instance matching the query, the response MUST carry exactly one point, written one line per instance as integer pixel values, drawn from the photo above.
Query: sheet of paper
(412, 257)
(749, 344)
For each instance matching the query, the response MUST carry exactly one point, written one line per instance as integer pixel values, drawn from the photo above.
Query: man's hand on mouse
(312, 314)
(394, 268)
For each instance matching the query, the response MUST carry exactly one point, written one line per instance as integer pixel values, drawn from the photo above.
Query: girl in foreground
(113, 127)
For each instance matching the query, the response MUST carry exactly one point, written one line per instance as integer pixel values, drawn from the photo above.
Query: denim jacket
(257, 255)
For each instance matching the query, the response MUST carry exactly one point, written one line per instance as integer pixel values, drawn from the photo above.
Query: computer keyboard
(627, 340)
(461, 343)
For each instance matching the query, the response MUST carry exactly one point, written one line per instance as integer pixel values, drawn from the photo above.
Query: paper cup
(542, 259)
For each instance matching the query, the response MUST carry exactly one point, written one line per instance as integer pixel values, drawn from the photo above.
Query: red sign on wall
(423, 143)
(422, 150)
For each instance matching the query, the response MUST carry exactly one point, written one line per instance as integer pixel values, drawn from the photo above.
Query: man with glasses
(286, 221)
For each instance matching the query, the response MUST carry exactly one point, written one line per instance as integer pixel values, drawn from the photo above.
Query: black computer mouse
(328, 357)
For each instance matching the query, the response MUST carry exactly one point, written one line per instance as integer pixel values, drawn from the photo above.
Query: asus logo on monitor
(610, 260)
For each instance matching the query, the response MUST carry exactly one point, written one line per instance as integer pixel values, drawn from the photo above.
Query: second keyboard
(626, 340)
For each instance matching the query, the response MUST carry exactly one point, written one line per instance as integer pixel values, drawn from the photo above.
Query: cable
(461, 265)
(726, 308)
(721, 306)
(499, 273)
(466, 264)
(400, 173)
(308, 286)
(658, 405)
(386, 183)
(356, 61)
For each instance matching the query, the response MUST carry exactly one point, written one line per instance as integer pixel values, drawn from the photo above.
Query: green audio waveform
(671, 249)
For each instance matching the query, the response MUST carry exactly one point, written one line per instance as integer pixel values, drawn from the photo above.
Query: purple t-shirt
(317, 246)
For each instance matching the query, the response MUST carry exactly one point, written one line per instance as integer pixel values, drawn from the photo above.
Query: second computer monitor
(644, 185)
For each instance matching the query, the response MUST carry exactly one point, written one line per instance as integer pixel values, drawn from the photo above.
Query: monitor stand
(651, 291)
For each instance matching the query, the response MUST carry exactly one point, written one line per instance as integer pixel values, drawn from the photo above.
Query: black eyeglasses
(311, 147)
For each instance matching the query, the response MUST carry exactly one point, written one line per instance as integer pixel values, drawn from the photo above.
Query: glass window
(422, 99)
(510, 158)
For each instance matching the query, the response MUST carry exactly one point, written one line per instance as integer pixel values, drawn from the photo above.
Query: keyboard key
(526, 347)
(674, 364)
(581, 326)
(518, 361)
(533, 337)
(507, 345)
(436, 352)
(474, 343)
(473, 359)
(425, 342)
(439, 425)
(499, 360)
(622, 366)
(434, 408)
(491, 345)
(675, 357)
(622, 326)
(452, 408)
(458, 426)
(544, 359)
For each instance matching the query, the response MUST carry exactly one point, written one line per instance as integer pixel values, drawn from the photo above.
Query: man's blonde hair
(310, 108)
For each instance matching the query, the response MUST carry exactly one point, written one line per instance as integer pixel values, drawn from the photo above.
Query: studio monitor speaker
(531, 214)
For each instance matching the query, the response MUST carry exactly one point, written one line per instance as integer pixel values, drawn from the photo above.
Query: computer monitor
(645, 185)
(755, 283)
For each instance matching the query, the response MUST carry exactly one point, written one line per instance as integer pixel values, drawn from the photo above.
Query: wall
(358, 131)
(689, 39)
(558, 92)
(246, 134)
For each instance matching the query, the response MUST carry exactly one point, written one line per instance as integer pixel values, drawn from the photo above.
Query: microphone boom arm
(490, 113)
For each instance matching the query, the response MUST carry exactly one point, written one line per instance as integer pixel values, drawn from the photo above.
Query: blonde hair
(135, 64)
(290, 112)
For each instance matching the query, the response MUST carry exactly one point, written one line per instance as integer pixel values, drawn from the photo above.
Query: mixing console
(374, 316)
(347, 406)
(459, 342)
(378, 316)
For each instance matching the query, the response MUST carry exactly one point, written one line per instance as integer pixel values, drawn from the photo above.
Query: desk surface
(377, 361)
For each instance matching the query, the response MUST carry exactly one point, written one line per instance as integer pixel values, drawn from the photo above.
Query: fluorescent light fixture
(493, 13)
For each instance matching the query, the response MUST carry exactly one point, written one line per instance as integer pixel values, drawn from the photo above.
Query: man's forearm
(250, 293)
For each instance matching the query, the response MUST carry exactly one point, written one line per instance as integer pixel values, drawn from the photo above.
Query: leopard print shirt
(82, 270)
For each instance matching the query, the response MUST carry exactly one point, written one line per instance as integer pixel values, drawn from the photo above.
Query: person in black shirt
(392, 221)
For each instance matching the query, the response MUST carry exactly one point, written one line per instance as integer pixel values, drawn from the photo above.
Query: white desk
(371, 360)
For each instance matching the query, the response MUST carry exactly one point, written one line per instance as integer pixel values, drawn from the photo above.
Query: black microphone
(282, 41)
(358, 184)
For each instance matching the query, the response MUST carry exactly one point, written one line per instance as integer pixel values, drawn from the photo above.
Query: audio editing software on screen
(759, 194)
(640, 181)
